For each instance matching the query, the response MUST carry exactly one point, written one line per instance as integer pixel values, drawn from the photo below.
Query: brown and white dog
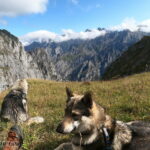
(14, 107)
(93, 129)
(14, 139)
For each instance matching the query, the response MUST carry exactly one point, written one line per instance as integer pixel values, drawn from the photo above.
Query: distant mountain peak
(88, 30)
(101, 29)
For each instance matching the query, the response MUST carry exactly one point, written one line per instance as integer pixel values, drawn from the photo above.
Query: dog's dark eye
(75, 116)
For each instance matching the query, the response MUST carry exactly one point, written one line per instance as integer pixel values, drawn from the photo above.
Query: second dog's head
(82, 114)
(21, 84)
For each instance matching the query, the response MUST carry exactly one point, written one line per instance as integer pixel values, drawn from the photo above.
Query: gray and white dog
(14, 107)
(93, 129)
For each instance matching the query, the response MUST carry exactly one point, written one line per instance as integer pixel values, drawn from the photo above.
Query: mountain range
(81, 60)
(73, 60)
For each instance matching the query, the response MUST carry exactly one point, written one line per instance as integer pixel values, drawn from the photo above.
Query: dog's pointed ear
(69, 92)
(87, 99)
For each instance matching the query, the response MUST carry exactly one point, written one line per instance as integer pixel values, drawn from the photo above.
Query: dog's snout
(60, 128)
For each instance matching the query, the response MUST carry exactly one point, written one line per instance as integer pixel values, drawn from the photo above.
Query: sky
(39, 18)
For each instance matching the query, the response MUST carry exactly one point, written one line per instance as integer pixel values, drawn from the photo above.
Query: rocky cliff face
(45, 64)
(15, 63)
(80, 60)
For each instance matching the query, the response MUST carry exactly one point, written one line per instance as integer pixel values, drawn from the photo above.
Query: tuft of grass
(124, 99)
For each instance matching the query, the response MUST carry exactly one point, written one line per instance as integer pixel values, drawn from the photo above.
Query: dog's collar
(107, 139)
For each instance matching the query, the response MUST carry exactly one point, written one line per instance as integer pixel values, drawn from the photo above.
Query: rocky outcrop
(45, 64)
(15, 62)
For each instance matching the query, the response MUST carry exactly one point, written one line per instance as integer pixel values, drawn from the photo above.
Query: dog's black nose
(60, 128)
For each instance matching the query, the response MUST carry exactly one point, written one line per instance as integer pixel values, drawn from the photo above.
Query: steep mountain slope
(135, 60)
(45, 64)
(14, 61)
(80, 60)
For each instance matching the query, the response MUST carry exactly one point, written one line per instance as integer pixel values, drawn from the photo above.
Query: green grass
(124, 99)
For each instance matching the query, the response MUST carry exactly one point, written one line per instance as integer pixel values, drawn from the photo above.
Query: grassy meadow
(125, 99)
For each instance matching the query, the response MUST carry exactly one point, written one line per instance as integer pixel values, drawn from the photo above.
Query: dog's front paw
(36, 120)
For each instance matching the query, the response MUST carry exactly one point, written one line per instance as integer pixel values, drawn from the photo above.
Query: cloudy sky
(50, 18)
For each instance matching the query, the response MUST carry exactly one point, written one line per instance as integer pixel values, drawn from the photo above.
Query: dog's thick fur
(14, 139)
(14, 106)
(86, 119)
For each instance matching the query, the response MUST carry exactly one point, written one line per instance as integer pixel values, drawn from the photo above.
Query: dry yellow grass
(125, 99)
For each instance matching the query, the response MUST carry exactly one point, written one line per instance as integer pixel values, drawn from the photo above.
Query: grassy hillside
(125, 99)
(135, 60)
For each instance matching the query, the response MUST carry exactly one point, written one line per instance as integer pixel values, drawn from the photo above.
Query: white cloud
(67, 34)
(70, 34)
(128, 23)
(20, 7)
(39, 36)
(145, 25)
(133, 25)
(44, 35)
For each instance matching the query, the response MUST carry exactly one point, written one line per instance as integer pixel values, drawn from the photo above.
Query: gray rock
(15, 62)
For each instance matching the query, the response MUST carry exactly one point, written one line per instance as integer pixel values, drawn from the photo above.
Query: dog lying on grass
(93, 129)
(14, 106)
